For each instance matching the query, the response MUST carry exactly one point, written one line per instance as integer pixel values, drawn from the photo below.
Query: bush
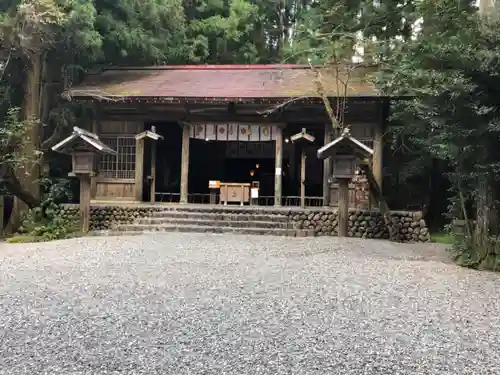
(47, 223)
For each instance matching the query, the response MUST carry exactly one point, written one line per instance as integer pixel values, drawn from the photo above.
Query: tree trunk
(376, 193)
(13, 185)
(485, 214)
(486, 220)
(28, 174)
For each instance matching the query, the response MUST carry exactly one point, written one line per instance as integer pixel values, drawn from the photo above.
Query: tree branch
(52, 140)
(12, 184)
(281, 105)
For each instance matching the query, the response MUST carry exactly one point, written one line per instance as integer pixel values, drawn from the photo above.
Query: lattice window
(121, 165)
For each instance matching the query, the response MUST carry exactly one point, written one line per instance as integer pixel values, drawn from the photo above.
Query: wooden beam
(343, 210)
(378, 149)
(278, 166)
(139, 169)
(153, 172)
(302, 139)
(84, 203)
(303, 177)
(327, 167)
(184, 163)
(2, 209)
(95, 130)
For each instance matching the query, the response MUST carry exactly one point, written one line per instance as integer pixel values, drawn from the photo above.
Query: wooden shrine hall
(223, 134)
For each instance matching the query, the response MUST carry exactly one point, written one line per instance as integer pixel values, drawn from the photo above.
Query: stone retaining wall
(405, 226)
(107, 217)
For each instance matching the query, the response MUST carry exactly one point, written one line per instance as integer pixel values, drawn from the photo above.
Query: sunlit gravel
(227, 304)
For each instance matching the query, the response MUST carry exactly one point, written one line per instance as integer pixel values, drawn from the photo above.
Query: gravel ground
(226, 304)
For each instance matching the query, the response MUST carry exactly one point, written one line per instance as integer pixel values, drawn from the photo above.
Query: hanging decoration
(233, 132)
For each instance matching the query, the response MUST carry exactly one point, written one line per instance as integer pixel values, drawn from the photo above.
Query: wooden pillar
(139, 169)
(378, 148)
(343, 210)
(184, 164)
(2, 209)
(153, 171)
(327, 168)
(93, 179)
(85, 202)
(293, 168)
(302, 177)
(278, 166)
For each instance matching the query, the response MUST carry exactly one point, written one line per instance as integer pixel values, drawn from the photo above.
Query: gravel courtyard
(226, 304)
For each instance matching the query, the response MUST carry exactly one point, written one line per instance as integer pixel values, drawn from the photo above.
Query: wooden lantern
(84, 163)
(84, 148)
(344, 152)
(150, 136)
(344, 166)
(301, 140)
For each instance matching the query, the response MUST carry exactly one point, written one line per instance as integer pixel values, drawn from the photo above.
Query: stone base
(405, 226)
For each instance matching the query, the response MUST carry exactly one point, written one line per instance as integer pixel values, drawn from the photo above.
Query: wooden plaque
(344, 166)
(212, 184)
(83, 163)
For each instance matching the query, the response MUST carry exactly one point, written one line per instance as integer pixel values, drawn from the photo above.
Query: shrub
(46, 223)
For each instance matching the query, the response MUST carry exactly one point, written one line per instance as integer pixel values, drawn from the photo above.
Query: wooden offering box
(233, 192)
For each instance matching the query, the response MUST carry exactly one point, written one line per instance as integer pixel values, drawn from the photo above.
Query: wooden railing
(194, 198)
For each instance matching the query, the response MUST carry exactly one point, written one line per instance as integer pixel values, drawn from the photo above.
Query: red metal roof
(237, 82)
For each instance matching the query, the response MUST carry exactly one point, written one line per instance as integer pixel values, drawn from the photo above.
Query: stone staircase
(223, 219)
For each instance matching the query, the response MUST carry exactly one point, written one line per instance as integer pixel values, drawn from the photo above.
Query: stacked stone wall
(405, 226)
(108, 217)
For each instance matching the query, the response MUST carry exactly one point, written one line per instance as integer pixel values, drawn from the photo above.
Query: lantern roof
(302, 136)
(82, 140)
(151, 134)
(347, 144)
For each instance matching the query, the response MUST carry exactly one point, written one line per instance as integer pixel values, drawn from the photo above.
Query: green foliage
(442, 237)
(22, 239)
(486, 257)
(449, 75)
(224, 33)
(46, 223)
(29, 26)
(141, 33)
(12, 130)
(12, 137)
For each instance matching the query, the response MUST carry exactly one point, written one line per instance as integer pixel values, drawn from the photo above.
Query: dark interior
(209, 161)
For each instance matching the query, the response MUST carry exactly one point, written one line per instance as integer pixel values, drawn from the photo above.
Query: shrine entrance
(235, 154)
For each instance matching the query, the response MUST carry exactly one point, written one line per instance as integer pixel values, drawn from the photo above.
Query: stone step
(214, 222)
(112, 232)
(144, 228)
(220, 209)
(218, 216)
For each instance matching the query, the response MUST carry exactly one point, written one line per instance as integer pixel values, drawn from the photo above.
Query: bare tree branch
(282, 105)
(324, 97)
(96, 94)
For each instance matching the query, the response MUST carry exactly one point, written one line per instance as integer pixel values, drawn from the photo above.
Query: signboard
(254, 193)
(213, 184)
(233, 132)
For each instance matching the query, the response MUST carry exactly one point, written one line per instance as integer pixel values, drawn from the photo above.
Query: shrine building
(183, 132)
